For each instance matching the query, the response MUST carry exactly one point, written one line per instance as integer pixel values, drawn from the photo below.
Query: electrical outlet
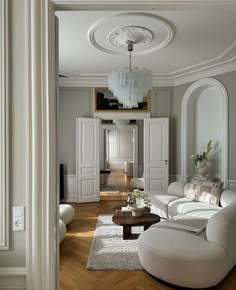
(18, 218)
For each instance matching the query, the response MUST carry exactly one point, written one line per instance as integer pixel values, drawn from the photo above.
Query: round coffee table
(128, 221)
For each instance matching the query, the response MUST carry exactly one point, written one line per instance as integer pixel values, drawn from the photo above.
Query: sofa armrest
(227, 197)
(176, 188)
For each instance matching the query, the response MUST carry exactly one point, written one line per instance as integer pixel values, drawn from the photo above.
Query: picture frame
(104, 101)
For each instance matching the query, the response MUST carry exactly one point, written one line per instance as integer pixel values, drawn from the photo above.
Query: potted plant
(201, 161)
(138, 198)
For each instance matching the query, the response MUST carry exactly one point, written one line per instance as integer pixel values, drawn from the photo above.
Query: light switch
(18, 218)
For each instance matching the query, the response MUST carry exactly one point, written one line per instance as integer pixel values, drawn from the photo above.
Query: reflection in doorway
(118, 157)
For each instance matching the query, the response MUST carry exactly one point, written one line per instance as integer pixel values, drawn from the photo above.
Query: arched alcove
(204, 117)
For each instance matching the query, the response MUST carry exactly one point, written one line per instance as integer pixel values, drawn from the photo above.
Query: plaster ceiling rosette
(148, 32)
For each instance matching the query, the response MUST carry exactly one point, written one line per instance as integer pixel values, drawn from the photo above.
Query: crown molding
(101, 80)
(223, 63)
(95, 80)
(206, 72)
(140, 5)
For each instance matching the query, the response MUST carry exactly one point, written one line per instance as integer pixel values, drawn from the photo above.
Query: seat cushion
(159, 203)
(66, 213)
(191, 224)
(194, 208)
(137, 183)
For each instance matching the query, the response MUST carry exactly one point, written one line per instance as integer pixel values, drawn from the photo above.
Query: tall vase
(202, 168)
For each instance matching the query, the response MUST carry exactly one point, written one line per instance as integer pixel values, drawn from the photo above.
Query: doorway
(119, 156)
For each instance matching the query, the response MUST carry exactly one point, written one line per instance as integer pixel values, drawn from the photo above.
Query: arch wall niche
(204, 117)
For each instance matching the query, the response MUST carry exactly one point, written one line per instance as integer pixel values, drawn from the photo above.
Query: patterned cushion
(205, 191)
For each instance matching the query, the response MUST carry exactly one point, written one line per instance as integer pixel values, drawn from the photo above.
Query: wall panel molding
(70, 188)
(232, 184)
(4, 110)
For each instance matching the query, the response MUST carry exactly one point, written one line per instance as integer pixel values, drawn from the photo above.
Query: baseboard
(13, 278)
(70, 188)
(232, 184)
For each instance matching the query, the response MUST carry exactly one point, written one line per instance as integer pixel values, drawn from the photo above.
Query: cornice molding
(223, 63)
(140, 5)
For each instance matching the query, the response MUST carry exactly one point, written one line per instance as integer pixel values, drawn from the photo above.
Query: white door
(87, 159)
(156, 154)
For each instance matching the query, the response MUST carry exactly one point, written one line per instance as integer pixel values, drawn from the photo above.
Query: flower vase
(202, 168)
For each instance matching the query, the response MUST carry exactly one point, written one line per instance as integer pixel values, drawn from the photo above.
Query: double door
(156, 155)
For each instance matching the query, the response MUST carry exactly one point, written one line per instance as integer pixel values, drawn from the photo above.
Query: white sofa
(195, 246)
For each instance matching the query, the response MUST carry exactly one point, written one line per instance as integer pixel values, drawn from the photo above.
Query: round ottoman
(62, 230)
(66, 213)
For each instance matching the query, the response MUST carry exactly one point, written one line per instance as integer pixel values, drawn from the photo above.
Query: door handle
(166, 162)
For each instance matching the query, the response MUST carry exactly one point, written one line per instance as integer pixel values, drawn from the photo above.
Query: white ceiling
(202, 39)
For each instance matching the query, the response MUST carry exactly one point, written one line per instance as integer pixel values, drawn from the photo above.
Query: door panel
(156, 154)
(87, 154)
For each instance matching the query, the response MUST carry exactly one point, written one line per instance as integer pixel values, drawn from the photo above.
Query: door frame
(42, 245)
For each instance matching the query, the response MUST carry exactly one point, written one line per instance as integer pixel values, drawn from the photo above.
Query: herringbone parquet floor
(74, 251)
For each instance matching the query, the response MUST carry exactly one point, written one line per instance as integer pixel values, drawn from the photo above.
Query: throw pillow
(209, 192)
(205, 190)
(192, 191)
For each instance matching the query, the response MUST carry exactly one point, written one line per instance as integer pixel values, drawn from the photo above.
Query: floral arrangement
(131, 198)
(202, 157)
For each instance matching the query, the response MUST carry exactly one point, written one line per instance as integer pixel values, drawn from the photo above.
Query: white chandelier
(129, 85)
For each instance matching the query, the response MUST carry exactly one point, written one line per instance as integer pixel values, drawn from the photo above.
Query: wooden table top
(126, 218)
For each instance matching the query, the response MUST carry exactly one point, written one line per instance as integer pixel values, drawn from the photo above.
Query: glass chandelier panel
(128, 85)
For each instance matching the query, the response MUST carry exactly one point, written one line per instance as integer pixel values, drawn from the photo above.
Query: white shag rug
(109, 251)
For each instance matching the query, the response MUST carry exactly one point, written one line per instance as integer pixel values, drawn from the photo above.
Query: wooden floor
(118, 177)
(74, 251)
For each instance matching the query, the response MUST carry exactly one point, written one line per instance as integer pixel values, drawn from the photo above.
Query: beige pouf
(66, 213)
(62, 230)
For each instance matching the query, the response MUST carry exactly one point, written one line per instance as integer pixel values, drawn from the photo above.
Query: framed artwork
(104, 101)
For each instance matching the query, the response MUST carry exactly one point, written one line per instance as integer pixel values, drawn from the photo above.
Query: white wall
(205, 123)
(228, 80)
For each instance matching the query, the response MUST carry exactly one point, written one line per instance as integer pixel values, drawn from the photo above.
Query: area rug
(109, 251)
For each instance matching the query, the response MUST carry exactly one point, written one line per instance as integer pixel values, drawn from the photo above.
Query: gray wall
(78, 102)
(17, 131)
(165, 102)
(73, 103)
(229, 81)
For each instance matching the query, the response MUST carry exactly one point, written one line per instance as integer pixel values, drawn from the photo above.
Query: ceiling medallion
(139, 36)
(151, 32)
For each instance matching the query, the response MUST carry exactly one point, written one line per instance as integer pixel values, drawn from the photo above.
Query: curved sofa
(195, 245)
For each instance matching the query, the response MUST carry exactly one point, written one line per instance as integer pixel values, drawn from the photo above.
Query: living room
(167, 100)
(198, 58)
